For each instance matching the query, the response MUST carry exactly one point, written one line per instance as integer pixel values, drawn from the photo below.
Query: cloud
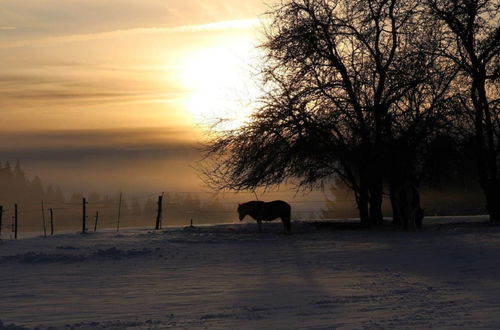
(151, 138)
(240, 24)
(68, 97)
(56, 85)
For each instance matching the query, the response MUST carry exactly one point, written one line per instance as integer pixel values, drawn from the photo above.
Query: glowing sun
(220, 82)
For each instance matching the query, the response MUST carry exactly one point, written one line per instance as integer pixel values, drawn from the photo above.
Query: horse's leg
(259, 222)
(286, 225)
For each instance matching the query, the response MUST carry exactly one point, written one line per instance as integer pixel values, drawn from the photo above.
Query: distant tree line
(178, 208)
(371, 93)
(16, 188)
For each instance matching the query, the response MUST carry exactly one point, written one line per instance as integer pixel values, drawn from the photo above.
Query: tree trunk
(405, 200)
(492, 192)
(486, 148)
(376, 198)
(362, 203)
(396, 212)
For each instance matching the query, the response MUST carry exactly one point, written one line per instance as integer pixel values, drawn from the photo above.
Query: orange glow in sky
(92, 87)
(94, 64)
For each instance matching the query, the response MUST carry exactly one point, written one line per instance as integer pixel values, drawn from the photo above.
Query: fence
(49, 217)
(160, 209)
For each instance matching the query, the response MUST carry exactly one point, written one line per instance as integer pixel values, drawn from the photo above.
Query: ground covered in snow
(231, 277)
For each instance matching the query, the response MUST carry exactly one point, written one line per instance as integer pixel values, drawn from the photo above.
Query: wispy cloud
(167, 140)
(53, 87)
(241, 24)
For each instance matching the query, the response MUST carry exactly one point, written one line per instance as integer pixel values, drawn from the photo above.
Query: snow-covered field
(231, 277)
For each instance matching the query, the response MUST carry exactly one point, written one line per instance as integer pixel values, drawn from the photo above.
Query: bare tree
(344, 80)
(474, 45)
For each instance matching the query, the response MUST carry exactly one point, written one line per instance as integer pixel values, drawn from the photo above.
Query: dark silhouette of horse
(262, 211)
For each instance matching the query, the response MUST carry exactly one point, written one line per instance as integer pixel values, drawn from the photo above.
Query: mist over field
(61, 168)
(107, 161)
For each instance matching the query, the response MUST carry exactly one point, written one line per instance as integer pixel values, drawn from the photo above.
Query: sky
(112, 95)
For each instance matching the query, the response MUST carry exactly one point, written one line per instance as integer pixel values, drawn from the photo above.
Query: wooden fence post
(43, 220)
(51, 222)
(95, 223)
(119, 213)
(84, 215)
(158, 215)
(1, 216)
(15, 221)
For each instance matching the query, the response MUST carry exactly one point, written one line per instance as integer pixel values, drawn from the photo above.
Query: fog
(107, 161)
(143, 163)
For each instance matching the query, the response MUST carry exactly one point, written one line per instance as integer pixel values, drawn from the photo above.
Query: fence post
(84, 215)
(96, 218)
(119, 212)
(158, 215)
(51, 222)
(1, 216)
(43, 220)
(15, 221)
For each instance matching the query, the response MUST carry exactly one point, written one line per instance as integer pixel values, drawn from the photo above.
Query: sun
(220, 83)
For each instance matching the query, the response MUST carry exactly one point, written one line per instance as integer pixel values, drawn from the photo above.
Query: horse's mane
(251, 203)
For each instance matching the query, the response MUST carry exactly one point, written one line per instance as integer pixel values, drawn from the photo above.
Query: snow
(230, 276)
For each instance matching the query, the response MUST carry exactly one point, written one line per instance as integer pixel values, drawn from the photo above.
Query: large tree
(344, 80)
(474, 45)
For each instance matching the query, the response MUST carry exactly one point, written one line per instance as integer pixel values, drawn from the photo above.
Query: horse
(267, 211)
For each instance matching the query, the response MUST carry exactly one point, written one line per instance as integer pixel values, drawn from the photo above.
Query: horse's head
(241, 211)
